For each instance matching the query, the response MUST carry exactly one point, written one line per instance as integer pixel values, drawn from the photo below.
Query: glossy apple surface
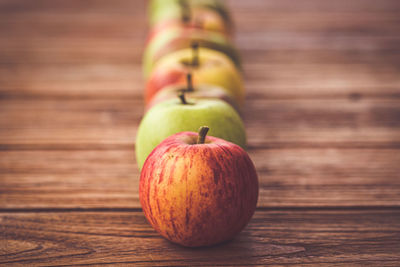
(204, 91)
(177, 38)
(170, 117)
(198, 194)
(213, 68)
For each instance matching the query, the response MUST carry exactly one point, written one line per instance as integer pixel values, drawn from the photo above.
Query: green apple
(176, 38)
(207, 67)
(177, 115)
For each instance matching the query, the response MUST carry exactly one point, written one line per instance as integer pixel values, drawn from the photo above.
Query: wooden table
(322, 117)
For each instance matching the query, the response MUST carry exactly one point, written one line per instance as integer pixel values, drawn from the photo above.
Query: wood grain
(339, 77)
(322, 116)
(272, 237)
(322, 121)
(351, 49)
(115, 121)
(297, 177)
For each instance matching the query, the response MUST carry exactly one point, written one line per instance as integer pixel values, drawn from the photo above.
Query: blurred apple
(207, 67)
(203, 91)
(202, 18)
(164, 10)
(181, 114)
(175, 38)
(197, 190)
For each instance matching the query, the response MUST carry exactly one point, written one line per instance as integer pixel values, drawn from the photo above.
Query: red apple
(197, 190)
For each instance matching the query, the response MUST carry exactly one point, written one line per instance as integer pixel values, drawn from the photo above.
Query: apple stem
(195, 54)
(181, 96)
(202, 134)
(185, 11)
(189, 82)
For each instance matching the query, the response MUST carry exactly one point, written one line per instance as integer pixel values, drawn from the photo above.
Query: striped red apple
(197, 190)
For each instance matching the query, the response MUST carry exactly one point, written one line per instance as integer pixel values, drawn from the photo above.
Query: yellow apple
(207, 67)
(175, 38)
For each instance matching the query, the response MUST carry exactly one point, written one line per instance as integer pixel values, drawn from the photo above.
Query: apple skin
(203, 91)
(170, 117)
(214, 68)
(176, 38)
(162, 10)
(198, 194)
(202, 18)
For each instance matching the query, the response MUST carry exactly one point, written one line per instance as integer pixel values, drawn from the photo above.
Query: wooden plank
(97, 51)
(355, 238)
(70, 122)
(114, 121)
(98, 80)
(312, 29)
(75, 24)
(72, 80)
(249, 17)
(122, 7)
(68, 64)
(69, 179)
(100, 48)
(287, 79)
(328, 177)
(289, 177)
(315, 6)
(323, 121)
(128, 6)
(299, 80)
(365, 18)
(361, 23)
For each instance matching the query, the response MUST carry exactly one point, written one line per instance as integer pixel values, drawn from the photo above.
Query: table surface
(322, 116)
